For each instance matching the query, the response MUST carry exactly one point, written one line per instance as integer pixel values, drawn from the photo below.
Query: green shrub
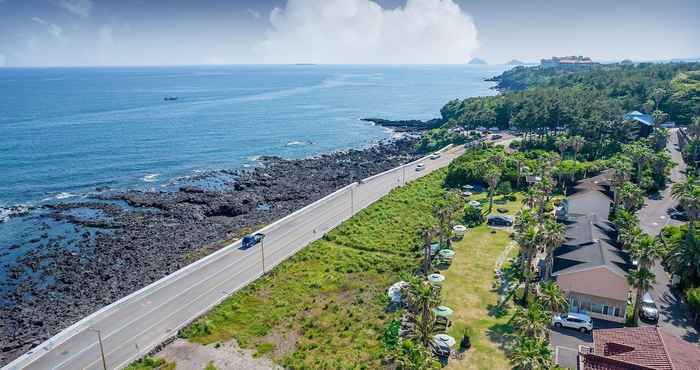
(473, 217)
(391, 334)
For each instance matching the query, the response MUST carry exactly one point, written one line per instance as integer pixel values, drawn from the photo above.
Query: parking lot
(565, 342)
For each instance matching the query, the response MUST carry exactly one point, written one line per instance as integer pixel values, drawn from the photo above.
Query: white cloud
(78, 7)
(53, 29)
(253, 13)
(39, 20)
(361, 31)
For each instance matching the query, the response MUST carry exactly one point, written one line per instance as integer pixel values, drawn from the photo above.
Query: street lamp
(102, 351)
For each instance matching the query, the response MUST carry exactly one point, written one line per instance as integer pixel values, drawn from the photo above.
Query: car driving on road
(420, 166)
(435, 155)
(251, 240)
(577, 321)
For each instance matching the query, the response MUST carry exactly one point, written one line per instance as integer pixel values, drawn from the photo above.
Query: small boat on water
(170, 98)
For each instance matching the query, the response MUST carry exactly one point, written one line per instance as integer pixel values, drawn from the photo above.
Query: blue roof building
(645, 119)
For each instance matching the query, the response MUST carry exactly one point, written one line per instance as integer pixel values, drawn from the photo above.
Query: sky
(174, 32)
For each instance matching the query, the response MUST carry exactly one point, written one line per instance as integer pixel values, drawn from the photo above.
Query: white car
(435, 156)
(420, 166)
(578, 321)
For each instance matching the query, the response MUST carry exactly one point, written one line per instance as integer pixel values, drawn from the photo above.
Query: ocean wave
(254, 158)
(17, 210)
(152, 177)
(60, 196)
(298, 143)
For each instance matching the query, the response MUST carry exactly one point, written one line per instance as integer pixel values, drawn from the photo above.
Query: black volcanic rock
(58, 282)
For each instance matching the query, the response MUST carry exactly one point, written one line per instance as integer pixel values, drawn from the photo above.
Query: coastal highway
(136, 324)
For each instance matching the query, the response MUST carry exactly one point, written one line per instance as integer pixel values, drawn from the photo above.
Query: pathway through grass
(468, 289)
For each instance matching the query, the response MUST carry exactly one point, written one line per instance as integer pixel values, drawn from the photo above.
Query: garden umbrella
(434, 248)
(474, 203)
(459, 230)
(436, 278)
(444, 340)
(447, 253)
(395, 291)
(443, 311)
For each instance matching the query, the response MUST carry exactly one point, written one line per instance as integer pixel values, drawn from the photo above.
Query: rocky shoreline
(129, 239)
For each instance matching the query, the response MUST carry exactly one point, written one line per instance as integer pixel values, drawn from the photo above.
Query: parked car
(649, 310)
(420, 166)
(496, 137)
(578, 321)
(678, 215)
(500, 220)
(435, 155)
(251, 240)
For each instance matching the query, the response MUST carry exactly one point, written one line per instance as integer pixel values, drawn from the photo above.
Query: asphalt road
(133, 326)
(673, 313)
(653, 217)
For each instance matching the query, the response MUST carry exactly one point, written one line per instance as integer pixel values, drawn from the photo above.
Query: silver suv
(578, 321)
(649, 310)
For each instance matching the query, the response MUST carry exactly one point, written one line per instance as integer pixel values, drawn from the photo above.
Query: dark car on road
(500, 220)
(251, 240)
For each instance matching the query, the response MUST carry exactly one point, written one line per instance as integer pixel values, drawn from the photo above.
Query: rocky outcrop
(139, 237)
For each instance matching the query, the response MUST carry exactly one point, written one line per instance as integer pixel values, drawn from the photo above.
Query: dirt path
(193, 356)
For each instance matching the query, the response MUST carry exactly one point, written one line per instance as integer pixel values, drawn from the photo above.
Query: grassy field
(468, 289)
(325, 307)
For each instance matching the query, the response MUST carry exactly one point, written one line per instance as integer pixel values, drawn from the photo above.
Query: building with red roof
(641, 348)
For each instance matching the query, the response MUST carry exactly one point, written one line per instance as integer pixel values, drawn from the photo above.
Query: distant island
(477, 61)
(515, 62)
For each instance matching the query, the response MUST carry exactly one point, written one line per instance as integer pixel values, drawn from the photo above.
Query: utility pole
(262, 251)
(102, 351)
(403, 168)
(352, 200)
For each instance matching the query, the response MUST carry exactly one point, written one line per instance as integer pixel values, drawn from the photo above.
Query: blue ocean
(65, 132)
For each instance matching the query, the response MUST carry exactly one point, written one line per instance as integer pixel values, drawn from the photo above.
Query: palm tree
(688, 195)
(659, 95)
(562, 143)
(520, 166)
(629, 236)
(646, 250)
(427, 234)
(631, 197)
(525, 217)
(694, 128)
(532, 196)
(552, 298)
(492, 176)
(532, 321)
(531, 354)
(641, 279)
(577, 144)
(640, 154)
(528, 241)
(421, 298)
(552, 234)
(411, 356)
(684, 258)
(659, 117)
(620, 175)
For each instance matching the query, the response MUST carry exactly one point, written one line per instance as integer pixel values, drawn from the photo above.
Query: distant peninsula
(477, 61)
(515, 62)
